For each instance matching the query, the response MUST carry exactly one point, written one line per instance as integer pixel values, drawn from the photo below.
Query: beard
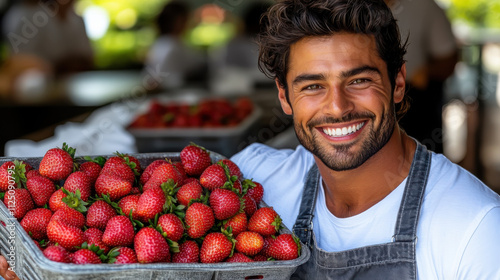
(340, 157)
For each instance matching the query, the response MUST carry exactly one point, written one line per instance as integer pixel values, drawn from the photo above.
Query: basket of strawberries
(185, 215)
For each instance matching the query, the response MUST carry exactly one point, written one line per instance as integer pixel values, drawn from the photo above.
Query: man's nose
(337, 103)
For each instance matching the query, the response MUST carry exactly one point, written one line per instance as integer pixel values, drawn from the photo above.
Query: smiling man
(358, 190)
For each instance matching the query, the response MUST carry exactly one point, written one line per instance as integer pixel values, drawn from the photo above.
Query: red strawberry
(119, 167)
(32, 173)
(234, 170)
(91, 169)
(125, 255)
(172, 226)
(93, 236)
(259, 258)
(150, 246)
(199, 219)
(188, 191)
(237, 186)
(239, 257)
(249, 243)
(284, 247)
(112, 185)
(6, 172)
(35, 222)
(41, 189)
(12, 174)
(55, 200)
(57, 163)
(256, 191)
(129, 204)
(265, 221)
(238, 223)
(86, 256)
(195, 159)
(225, 203)
(65, 235)
(268, 240)
(78, 180)
(119, 232)
(250, 205)
(99, 214)
(150, 203)
(57, 253)
(19, 202)
(133, 162)
(70, 217)
(161, 175)
(213, 177)
(150, 169)
(178, 165)
(189, 252)
(215, 248)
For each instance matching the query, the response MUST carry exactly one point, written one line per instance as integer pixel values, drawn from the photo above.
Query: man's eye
(359, 81)
(312, 87)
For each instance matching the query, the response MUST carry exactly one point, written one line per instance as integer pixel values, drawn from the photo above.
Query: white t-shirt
(459, 225)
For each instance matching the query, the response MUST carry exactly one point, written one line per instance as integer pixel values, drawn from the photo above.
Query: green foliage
(476, 13)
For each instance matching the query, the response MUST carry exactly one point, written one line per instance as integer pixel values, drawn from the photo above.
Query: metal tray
(30, 263)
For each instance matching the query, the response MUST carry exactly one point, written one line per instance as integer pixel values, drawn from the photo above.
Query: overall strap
(407, 220)
(303, 225)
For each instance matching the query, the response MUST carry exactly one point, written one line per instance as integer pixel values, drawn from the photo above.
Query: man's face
(340, 97)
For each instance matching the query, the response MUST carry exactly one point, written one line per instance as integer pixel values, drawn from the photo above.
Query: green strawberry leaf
(2, 195)
(74, 200)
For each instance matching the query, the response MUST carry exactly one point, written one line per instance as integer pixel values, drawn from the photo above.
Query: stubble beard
(339, 157)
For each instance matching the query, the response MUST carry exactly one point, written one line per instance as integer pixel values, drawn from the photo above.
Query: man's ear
(400, 85)
(285, 105)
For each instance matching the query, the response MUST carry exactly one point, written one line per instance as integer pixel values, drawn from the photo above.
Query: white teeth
(339, 132)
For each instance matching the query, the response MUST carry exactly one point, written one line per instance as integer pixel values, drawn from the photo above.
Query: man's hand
(4, 270)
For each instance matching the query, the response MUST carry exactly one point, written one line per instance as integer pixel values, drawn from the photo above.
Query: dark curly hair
(288, 21)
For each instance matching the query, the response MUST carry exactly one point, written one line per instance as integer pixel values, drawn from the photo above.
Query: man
(370, 201)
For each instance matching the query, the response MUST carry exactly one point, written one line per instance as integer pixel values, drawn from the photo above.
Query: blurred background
(83, 71)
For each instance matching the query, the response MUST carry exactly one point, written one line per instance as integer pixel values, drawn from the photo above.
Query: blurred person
(431, 57)
(240, 55)
(51, 31)
(170, 60)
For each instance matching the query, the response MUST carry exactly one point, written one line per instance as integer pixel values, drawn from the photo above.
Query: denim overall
(394, 260)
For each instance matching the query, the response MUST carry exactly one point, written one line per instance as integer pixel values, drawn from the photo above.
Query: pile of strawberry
(114, 211)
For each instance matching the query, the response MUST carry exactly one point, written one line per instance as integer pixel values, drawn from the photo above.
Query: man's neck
(351, 192)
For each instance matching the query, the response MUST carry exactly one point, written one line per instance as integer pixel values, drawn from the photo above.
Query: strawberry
(213, 177)
(12, 174)
(55, 200)
(86, 256)
(65, 235)
(189, 191)
(133, 162)
(265, 221)
(150, 169)
(19, 202)
(79, 180)
(119, 167)
(124, 255)
(238, 188)
(69, 216)
(199, 219)
(225, 203)
(249, 205)
(260, 258)
(215, 248)
(238, 223)
(99, 214)
(195, 159)
(91, 169)
(178, 165)
(249, 243)
(57, 163)
(189, 252)
(161, 175)
(239, 257)
(171, 226)
(268, 240)
(234, 170)
(150, 246)
(32, 173)
(255, 190)
(119, 232)
(284, 247)
(150, 203)
(41, 189)
(57, 254)
(113, 185)
(93, 236)
(35, 222)
(128, 205)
